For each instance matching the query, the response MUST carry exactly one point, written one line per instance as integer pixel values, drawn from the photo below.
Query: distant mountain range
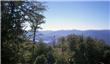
(48, 36)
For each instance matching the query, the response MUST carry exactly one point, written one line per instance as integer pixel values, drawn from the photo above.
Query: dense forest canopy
(16, 48)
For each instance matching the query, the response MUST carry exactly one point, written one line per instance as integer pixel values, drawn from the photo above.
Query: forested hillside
(17, 48)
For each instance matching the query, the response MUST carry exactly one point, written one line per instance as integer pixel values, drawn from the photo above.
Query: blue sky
(81, 15)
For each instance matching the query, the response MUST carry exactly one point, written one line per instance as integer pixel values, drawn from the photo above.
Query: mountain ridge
(48, 36)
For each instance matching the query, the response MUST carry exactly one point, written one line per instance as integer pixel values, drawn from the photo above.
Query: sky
(80, 15)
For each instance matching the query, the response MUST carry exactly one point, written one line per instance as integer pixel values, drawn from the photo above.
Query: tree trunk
(34, 35)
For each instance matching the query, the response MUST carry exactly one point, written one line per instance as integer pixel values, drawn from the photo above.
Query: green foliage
(11, 32)
(86, 50)
(40, 60)
(76, 50)
(13, 16)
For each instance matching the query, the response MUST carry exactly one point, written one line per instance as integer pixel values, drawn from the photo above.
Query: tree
(87, 50)
(32, 12)
(11, 31)
(13, 15)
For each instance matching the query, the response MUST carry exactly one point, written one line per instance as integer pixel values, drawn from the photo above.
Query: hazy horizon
(78, 30)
